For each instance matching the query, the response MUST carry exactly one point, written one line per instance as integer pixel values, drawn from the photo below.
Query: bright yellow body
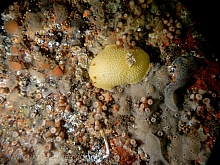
(117, 66)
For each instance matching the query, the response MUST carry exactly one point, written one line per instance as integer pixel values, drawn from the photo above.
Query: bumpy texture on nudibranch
(117, 66)
(185, 67)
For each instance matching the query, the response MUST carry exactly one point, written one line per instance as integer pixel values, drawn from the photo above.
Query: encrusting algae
(117, 66)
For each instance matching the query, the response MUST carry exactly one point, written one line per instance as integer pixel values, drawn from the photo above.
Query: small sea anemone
(32, 141)
(48, 147)
(9, 152)
(150, 101)
(14, 50)
(18, 152)
(198, 96)
(57, 72)
(14, 66)
(206, 100)
(11, 26)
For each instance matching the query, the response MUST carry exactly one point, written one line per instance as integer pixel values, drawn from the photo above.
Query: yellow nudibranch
(115, 65)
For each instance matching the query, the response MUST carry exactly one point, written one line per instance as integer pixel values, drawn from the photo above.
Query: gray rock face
(183, 67)
(154, 150)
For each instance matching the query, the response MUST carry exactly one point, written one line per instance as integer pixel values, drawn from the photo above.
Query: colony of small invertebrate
(51, 111)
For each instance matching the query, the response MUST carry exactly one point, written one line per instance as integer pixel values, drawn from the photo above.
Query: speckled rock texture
(69, 95)
(184, 66)
(158, 124)
(153, 147)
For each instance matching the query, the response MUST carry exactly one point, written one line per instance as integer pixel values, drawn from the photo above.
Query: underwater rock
(184, 67)
(153, 148)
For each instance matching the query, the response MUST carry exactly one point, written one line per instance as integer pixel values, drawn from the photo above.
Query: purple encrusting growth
(184, 67)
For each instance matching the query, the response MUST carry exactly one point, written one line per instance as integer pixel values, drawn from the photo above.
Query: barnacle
(116, 66)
